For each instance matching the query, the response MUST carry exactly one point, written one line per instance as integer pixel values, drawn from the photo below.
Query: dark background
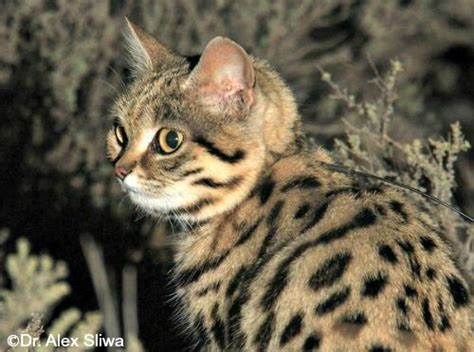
(61, 65)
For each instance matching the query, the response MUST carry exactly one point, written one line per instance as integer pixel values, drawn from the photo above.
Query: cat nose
(121, 172)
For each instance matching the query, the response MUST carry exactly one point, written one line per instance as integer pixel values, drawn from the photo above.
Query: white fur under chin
(155, 204)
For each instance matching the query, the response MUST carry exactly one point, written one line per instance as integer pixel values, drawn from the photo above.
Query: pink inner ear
(224, 70)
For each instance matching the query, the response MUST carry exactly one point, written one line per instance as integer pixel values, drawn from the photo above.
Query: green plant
(37, 286)
(428, 165)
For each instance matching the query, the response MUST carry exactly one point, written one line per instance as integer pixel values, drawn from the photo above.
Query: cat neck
(200, 240)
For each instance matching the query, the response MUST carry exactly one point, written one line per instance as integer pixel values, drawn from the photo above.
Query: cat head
(192, 136)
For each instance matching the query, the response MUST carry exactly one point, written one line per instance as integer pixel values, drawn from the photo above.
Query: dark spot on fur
(275, 213)
(330, 271)
(279, 280)
(402, 306)
(380, 209)
(265, 332)
(333, 301)
(247, 234)
(214, 287)
(345, 190)
(202, 336)
(209, 182)
(192, 172)
(235, 281)
(272, 231)
(387, 253)
(428, 244)
(406, 246)
(374, 285)
(302, 182)
(380, 348)
(375, 189)
(276, 287)
(191, 275)
(236, 335)
(403, 327)
(357, 318)
(240, 226)
(198, 206)
(410, 291)
(431, 273)
(427, 317)
(445, 324)
(317, 215)
(398, 208)
(458, 291)
(364, 219)
(266, 190)
(292, 329)
(312, 342)
(218, 327)
(211, 148)
(302, 210)
(415, 266)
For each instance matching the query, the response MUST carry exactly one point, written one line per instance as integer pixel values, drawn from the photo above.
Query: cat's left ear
(224, 78)
(145, 53)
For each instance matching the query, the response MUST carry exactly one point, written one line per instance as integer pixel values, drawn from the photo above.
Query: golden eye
(120, 135)
(169, 140)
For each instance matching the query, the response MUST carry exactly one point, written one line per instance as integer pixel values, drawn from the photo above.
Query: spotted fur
(277, 252)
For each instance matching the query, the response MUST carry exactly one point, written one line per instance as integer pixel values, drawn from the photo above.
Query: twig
(129, 301)
(373, 135)
(330, 129)
(95, 262)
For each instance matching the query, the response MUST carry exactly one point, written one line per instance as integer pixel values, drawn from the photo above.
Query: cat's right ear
(145, 54)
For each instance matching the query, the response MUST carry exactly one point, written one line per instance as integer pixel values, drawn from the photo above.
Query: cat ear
(145, 53)
(224, 77)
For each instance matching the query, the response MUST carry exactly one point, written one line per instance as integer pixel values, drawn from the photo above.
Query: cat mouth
(136, 191)
(163, 201)
(131, 185)
(152, 202)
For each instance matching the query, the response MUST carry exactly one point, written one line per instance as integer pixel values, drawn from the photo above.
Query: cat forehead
(156, 99)
(150, 98)
(159, 98)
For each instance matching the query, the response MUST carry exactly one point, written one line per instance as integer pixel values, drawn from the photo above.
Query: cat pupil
(172, 139)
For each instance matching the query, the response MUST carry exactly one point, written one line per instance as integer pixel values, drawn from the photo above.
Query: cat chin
(156, 204)
(163, 204)
(149, 203)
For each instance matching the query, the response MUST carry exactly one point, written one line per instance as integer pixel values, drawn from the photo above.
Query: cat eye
(120, 135)
(169, 140)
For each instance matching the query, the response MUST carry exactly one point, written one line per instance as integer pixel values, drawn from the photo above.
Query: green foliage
(436, 162)
(37, 286)
(426, 165)
(64, 50)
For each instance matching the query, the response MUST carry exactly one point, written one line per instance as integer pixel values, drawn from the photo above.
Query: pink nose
(121, 172)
